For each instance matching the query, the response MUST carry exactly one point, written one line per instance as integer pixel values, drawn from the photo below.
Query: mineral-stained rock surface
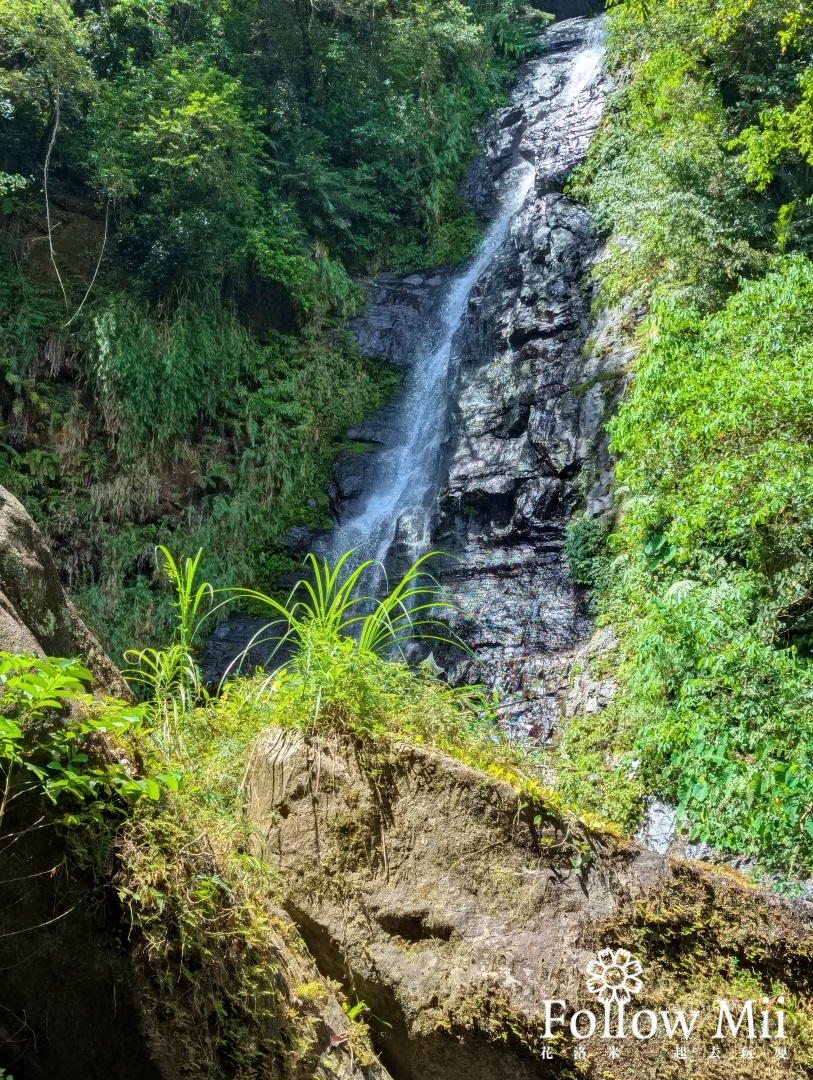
(454, 909)
(528, 411)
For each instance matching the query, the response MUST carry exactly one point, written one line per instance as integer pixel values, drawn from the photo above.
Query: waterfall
(504, 328)
(407, 475)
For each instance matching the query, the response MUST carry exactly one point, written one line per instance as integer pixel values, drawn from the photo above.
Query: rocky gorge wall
(530, 382)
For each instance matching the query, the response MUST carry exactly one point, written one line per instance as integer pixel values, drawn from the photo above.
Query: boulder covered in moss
(455, 908)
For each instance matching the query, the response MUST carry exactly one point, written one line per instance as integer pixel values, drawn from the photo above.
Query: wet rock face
(395, 320)
(521, 437)
(528, 410)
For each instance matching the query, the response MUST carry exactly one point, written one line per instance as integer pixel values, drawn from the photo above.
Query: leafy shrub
(170, 674)
(584, 544)
(711, 587)
(154, 377)
(708, 583)
(660, 180)
(714, 433)
(40, 757)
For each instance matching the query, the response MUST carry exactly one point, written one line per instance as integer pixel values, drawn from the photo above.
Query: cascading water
(407, 474)
(479, 451)
(502, 406)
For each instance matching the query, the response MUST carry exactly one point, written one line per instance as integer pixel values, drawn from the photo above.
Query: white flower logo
(613, 976)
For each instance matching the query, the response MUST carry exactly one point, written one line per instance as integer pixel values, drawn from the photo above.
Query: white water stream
(407, 474)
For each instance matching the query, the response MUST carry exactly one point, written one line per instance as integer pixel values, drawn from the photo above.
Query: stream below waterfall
(495, 435)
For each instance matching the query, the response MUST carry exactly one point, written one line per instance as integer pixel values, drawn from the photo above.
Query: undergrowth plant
(334, 610)
(343, 671)
(700, 180)
(171, 675)
(58, 743)
(346, 646)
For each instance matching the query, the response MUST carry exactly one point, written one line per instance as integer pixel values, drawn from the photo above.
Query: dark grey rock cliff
(528, 396)
(528, 413)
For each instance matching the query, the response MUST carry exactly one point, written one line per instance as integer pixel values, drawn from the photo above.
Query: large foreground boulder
(35, 614)
(456, 909)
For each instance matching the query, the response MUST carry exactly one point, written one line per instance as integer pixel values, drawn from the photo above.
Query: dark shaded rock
(264, 306)
(241, 644)
(69, 1001)
(349, 478)
(572, 9)
(396, 317)
(35, 614)
(478, 188)
(299, 539)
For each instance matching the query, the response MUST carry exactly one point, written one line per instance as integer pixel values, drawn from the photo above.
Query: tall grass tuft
(336, 610)
(171, 675)
(347, 666)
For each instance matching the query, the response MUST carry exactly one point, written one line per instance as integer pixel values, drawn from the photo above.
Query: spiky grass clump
(170, 675)
(347, 673)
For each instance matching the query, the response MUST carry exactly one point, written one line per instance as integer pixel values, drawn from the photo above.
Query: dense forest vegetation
(702, 178)
(191, 191)
(188, 191)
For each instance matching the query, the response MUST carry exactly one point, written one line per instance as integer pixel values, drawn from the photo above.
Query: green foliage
(594, 769)
(195, 436)
(45, 78)
(228, 150)
(660, 180)
(715, 433)
(707, 578)
(339, 677)
(154, 378)
(333, 604)
(584, 544)
(714, 559)
(171, 674)
(782, 139)
(784, 225)
(40, 757)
